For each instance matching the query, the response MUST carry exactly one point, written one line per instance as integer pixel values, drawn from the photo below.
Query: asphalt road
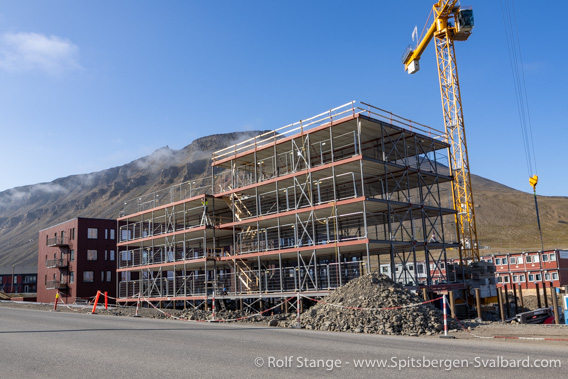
(39, 344)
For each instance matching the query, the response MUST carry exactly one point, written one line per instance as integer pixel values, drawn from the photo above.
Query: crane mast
(452, 23)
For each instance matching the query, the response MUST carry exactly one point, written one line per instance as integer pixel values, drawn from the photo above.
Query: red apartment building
(528, 268)
(76, 258)
(18, 279)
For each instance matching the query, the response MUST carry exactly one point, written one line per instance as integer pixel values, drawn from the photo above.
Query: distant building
(528, 268)
(77, 258)
(24, 279)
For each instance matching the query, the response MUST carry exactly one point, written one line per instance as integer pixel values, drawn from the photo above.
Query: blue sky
(87, 86)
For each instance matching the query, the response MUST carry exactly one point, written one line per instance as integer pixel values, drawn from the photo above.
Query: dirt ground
(514, 333)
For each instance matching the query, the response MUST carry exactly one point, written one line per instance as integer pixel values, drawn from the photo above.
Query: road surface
(39, 344)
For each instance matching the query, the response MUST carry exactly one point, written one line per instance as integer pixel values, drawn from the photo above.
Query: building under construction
(304, 208)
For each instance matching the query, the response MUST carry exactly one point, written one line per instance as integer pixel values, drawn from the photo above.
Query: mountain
(24, 211)
(506, 219)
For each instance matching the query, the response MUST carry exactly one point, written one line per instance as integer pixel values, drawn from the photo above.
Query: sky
(89, 85)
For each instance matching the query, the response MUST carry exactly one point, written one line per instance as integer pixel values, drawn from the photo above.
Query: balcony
(57, 263)
(58, 241)
(55, 285)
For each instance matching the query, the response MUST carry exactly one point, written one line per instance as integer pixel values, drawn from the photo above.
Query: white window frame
(92, 233)
(92, 255)
(88, 276)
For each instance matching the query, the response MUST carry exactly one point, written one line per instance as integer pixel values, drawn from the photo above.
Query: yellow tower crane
(452, 23)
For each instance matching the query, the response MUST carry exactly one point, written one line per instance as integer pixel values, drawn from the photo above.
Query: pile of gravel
(374, 291)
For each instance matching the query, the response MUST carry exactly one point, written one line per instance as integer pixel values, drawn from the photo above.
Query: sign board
(563, 254)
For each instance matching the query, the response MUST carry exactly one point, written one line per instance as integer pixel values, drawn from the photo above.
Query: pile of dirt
(376, 292)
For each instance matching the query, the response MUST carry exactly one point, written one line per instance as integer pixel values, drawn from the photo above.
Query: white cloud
(34, 51)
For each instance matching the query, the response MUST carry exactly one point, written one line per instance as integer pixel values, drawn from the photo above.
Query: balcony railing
(55, 284)
(60, 263)
(58, 241)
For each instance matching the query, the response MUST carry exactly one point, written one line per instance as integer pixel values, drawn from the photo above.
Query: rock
(273, 323)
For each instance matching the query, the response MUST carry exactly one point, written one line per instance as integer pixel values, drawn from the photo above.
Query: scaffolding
(304, 208)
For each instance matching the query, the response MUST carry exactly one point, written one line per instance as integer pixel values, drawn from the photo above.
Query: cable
(516, 64)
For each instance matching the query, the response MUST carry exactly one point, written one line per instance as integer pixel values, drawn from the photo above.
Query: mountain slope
(24, 211)
(505, 217)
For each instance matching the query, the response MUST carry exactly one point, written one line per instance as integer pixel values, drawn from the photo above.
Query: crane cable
(516, 62)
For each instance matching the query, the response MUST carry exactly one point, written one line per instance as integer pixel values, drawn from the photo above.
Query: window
(72, 233)
(72, 255)
(125, 235)
(513, 260)
(88, 276)
(499, 279)
(497, 261)
(536, 259)
(515, 278)
(71, 277)
(112, 255)
(522, 277)
(554, 276)
(106, 234)
(91, 255)
(538, 277)
(442, 265)
(545, 257)
(528, 259)
(531, 278)
(102, 276)
(519, 260)
(92, 233)
(106, 255)
(504, 261)
(552, 257)
(506, 279)
(109, 276)
(420, 269)
(16, 279)
(547, 277)
(112, 234)
(384, 269)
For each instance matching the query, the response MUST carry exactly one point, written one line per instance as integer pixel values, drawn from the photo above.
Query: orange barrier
(96, 302)
(56, 300)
